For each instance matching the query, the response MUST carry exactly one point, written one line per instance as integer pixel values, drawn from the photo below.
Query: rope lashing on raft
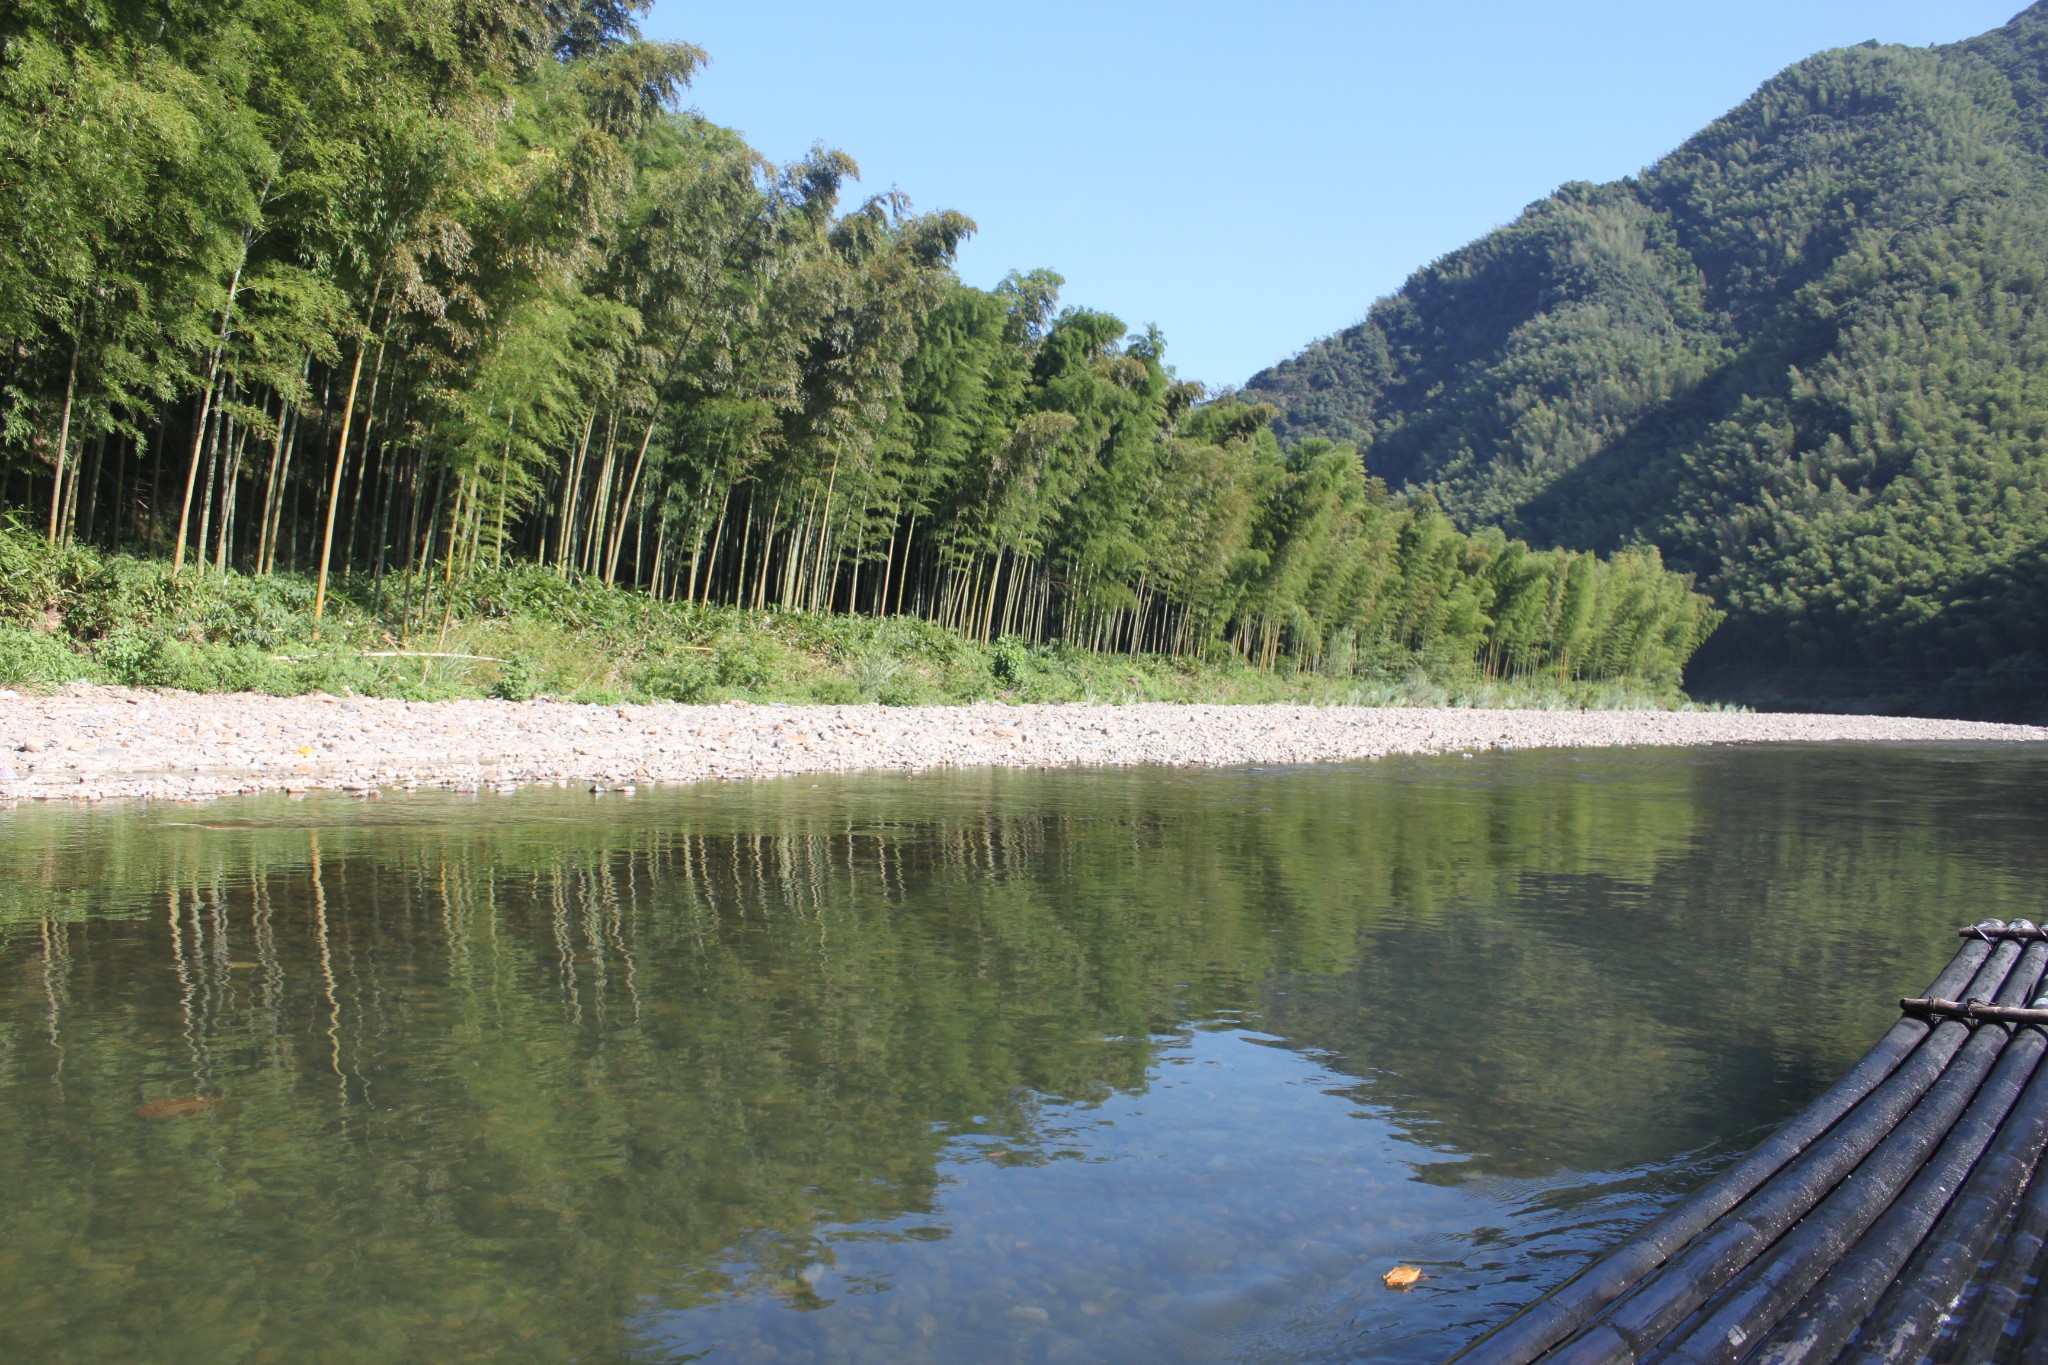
(1991, 931)
(1974, 1011)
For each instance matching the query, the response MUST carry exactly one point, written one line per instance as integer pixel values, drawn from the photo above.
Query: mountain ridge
(1805, 355)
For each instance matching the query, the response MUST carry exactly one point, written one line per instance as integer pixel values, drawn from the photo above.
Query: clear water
(1080, 1066)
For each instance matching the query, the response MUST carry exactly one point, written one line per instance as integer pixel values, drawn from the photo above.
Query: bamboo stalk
(266, 532)
(192, 470)
(572, 488)
(600, 506)
(63, 445)
(227, 324)
(221, 418)
(229, 503)
(348, 412)
(363, 466)
(767, 551)
(611, 561)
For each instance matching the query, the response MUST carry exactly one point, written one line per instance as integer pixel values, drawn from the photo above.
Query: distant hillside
(1806, 355)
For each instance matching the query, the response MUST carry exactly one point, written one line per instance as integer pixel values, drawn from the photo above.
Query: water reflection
(1077, 1066)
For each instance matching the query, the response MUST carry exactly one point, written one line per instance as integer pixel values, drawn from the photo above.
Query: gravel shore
(97, 743)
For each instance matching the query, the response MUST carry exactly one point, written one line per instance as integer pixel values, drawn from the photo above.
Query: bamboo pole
(2002, 1295)
(1894, 1198)
(1702, 1269)
(2034, 1334)
(1575, 1303)
(1910, 1312)
(1991, 931)
(1972, 1011)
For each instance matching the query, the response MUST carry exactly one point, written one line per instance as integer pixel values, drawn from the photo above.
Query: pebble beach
(108, 743)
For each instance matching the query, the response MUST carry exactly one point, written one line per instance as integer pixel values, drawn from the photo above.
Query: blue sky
(1251, 177)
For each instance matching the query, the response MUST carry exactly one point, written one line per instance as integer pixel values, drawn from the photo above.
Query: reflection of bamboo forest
(495, 1076)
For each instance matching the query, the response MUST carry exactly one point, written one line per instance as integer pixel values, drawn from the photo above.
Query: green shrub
(746, 662)
(1010, 661)
(517, 681)
(137, 657)
(34, 659)
(674, 680)
(906, 687)
(835, 689)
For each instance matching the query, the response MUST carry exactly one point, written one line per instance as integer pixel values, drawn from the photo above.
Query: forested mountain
(1805, 355)
(373, 286)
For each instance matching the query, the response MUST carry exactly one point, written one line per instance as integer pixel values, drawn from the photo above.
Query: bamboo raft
(1896, 1219)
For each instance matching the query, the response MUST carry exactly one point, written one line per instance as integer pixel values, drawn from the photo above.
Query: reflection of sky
(1154, 1226)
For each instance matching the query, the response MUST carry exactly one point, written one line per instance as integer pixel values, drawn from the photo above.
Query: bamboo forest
(359, 293)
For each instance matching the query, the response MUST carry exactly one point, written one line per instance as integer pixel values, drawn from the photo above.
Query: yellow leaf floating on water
(1402, 1277)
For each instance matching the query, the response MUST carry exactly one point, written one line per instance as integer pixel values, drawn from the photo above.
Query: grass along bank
(519, 631)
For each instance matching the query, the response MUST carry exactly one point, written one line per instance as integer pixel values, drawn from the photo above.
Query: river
(1097, 1066)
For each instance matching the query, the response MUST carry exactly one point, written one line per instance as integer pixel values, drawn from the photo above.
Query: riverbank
(98, 743)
